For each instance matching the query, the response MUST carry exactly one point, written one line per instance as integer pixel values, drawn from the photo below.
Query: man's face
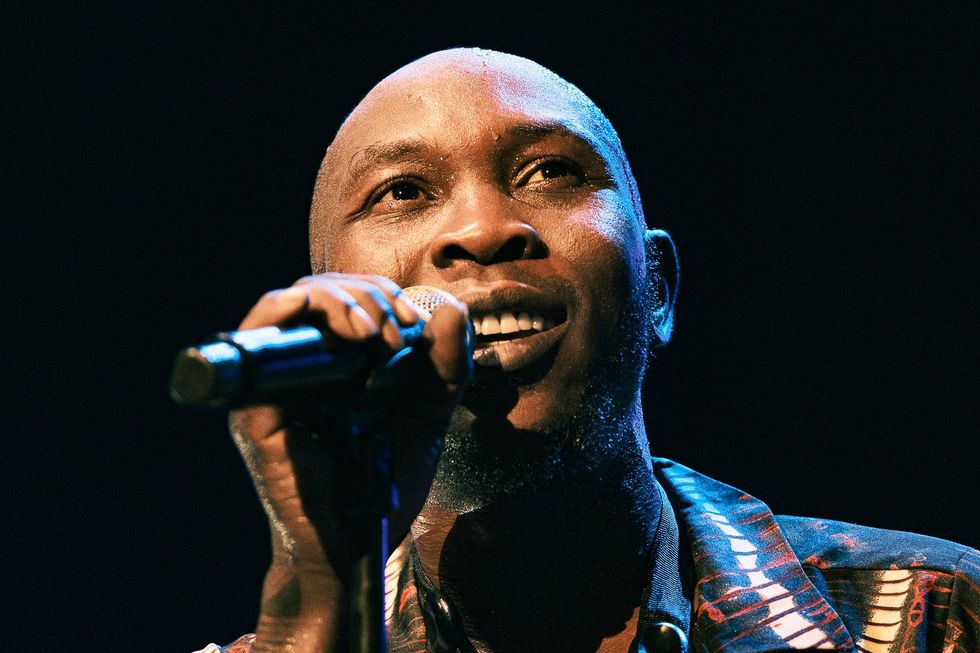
(497, 182)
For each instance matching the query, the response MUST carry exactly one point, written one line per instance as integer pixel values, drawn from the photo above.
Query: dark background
(815, 166)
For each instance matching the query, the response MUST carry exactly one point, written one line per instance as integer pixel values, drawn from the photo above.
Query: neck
(556, 567)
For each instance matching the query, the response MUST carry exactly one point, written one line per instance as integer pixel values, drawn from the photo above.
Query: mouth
(504, 326)
(513, 332)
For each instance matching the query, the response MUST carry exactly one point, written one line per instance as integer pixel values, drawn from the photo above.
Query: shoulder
(869, 588)
(849, 559)
(826, 543)
(891, 587)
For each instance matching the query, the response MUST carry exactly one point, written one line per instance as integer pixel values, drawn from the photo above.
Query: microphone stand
(372, 494)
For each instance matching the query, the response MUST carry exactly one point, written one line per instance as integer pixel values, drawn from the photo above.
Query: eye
(554, 172)
(399, 195)
(403, 191)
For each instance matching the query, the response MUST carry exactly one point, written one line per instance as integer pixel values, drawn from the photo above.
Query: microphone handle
(268, 364)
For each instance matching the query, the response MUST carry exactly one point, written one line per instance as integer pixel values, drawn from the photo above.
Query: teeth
(490, 326)
(506, 323)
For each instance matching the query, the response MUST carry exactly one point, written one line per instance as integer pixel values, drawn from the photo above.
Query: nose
(486, 234)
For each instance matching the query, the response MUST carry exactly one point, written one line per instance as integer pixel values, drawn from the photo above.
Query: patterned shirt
(737, 579)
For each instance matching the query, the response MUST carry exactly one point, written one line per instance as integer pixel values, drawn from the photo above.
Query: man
(544, 525)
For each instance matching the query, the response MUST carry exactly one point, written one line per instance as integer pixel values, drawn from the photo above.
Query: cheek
(603, 245)
(376, 249)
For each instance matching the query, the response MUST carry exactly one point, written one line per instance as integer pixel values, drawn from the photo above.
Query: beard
(487, 460)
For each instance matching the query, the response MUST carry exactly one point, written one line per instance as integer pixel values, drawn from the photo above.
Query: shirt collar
(750, 592)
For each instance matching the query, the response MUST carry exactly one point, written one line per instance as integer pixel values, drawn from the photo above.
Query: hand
(295, 463)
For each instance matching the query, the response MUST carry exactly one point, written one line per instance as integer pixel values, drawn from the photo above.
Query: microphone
(263, 365)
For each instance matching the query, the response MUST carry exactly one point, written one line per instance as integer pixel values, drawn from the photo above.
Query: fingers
(350, 317)
(352, 307)
(361, 307)
(281, 463)
(451, 337)
(275, 307)
(403, 309)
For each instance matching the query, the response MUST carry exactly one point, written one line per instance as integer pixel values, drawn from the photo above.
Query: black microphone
(268, 364)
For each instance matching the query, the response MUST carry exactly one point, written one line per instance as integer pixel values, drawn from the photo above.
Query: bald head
(459, 86)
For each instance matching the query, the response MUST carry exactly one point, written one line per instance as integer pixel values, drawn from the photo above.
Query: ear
(665, 276)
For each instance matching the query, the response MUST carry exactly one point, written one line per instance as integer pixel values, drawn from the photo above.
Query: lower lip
(512, 355)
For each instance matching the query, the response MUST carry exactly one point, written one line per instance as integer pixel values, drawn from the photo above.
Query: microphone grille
(427, 298)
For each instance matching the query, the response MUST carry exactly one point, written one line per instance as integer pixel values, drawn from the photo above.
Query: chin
(542, 440)
(531, 400)
(545, 410)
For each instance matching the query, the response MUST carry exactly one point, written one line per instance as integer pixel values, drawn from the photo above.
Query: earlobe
(663, 273)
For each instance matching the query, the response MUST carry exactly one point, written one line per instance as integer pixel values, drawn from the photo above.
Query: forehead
(466, 99)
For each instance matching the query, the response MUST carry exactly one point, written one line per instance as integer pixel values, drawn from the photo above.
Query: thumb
(450, 337)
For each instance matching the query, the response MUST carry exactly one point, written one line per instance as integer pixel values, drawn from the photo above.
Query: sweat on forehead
(467, 83)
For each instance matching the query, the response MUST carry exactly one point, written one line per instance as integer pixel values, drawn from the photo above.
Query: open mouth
(513, 339)
(504, 326)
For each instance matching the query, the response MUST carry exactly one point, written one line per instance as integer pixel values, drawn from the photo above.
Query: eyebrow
(380, 154)
(536, 131)
(411, 149)
(540, 130)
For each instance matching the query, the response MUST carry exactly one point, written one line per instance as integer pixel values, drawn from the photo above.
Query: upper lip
(514, 297)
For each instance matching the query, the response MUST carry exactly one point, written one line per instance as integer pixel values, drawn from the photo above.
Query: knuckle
(333, 294)
(379, 299)
(386, 283)
(316, 291)
(363, 290)
(269, 297)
